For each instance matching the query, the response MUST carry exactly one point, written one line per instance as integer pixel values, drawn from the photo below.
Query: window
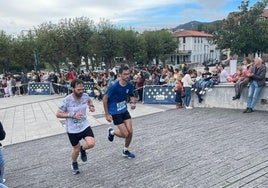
(184, 39)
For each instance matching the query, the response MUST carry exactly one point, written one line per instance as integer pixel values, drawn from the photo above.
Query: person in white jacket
(187, 85)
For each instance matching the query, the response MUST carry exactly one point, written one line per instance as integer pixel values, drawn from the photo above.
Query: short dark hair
(123, 67)
(76, 82)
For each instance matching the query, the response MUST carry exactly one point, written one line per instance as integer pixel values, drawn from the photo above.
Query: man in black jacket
(257, 82)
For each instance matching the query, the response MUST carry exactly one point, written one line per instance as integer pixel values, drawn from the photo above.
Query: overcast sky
(18, 15)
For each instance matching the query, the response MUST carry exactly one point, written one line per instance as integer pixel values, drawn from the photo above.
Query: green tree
(49, 45)
(243, 32)
(158, 45)
(76, 38)
(107, 43)
(5, 51)
(128, 45)
(22, 53)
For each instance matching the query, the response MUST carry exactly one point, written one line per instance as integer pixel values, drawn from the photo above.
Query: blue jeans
(187, 92)
(253, 94)
(3, 186)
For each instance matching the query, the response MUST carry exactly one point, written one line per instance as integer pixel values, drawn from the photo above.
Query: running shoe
(75, 168)
(110, 135)
(128, 154)
(83, 154)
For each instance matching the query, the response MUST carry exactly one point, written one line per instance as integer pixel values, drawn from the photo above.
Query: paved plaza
(203, 147)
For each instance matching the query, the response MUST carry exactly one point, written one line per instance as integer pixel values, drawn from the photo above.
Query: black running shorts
(76, 137)
(120, 118)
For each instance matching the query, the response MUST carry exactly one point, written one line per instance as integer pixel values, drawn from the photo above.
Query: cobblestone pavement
(199, 148)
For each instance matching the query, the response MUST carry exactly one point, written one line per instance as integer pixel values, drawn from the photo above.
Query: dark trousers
(239, 86)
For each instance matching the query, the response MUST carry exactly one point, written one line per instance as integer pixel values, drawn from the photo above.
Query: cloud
(17, 15)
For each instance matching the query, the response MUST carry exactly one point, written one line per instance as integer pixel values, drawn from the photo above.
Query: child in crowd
(206, 75)
(215, 78)
(171, 82)
(178, 88)
(245, 70)
(198, 79)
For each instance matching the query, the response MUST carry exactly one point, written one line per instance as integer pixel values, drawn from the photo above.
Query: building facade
(194, 47)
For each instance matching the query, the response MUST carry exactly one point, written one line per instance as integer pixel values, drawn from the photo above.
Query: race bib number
(121, 105)
(78, 123)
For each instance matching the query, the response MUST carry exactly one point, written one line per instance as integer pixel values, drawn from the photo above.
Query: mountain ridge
(192, 25)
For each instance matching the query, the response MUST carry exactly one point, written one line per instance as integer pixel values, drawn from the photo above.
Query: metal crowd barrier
(40, 88)
(158, 94)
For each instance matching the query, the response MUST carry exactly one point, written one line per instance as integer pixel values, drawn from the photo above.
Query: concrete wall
(221, 97)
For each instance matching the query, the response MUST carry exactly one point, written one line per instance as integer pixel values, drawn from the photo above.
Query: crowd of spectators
(180, 78)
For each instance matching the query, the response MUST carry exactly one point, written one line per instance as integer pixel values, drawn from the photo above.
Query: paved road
(175, 148)
(27, 118)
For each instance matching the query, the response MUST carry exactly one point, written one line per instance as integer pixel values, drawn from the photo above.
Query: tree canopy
(244, 32)
(80, 39)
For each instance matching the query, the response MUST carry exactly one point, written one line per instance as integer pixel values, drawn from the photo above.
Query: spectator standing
(62, 81)
(13, 85)
(155, 78)
(70, 76)
(53, 79)
(73, 108)
(111, 79)
(139, 85)
(257, 82)
(163, 80)
(24, 83)
(9, 87)
(187, 85)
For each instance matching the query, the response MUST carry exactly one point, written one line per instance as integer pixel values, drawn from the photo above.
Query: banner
(39, 88)
(157, 94)
(233, 67)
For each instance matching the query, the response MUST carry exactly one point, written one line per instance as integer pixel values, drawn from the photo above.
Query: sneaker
(83, 154)
(75, 168)
(4, 180)
(209, 90)
(110, 135)
(127, 154)
(248, 110)
(189, 107)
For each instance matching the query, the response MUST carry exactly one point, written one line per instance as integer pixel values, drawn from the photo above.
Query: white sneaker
(4, 180)
(209, 90)
(189, 107)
